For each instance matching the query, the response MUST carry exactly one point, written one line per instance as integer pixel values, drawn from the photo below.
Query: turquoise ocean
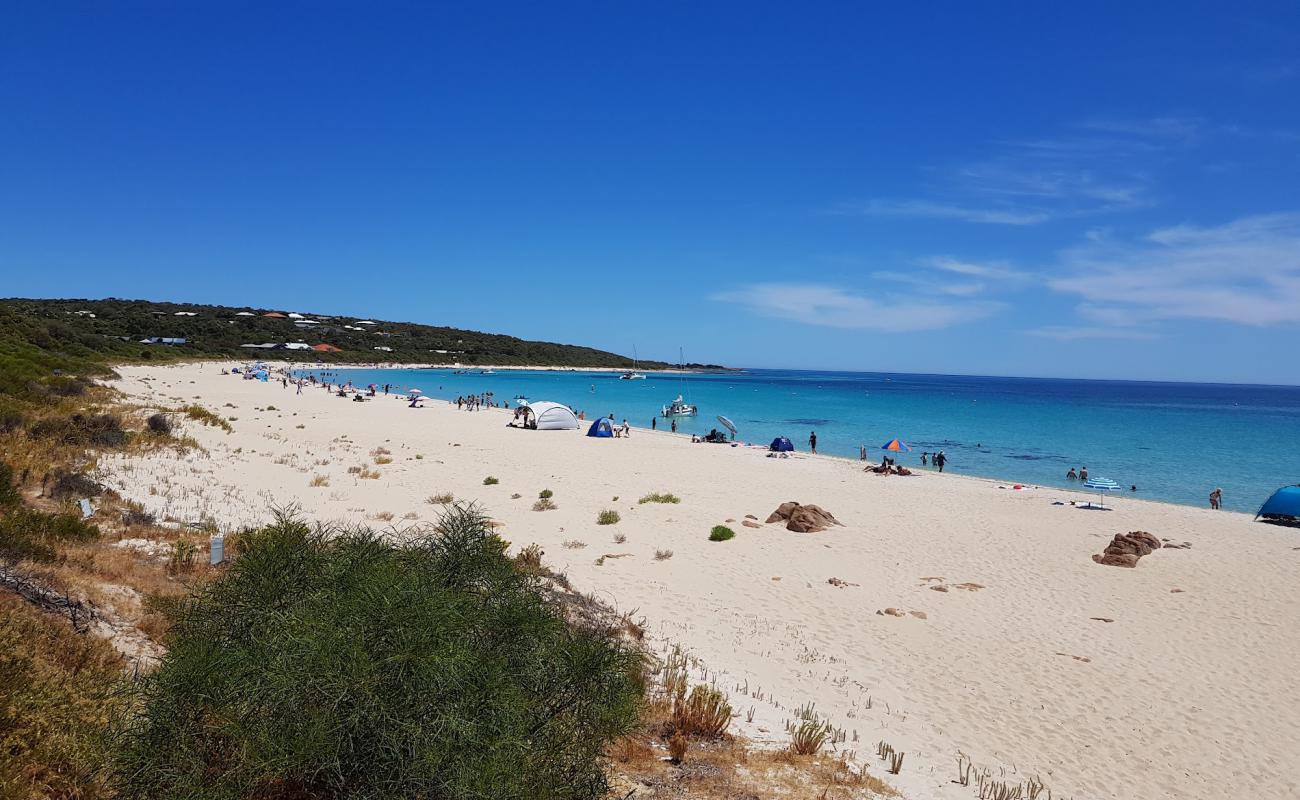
(1174, 441)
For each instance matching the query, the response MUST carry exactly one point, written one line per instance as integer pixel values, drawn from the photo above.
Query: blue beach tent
(781, 445)
(1284, 504)
(601, 428)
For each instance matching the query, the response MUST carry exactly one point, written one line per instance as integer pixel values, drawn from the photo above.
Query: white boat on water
(680, 408)
(633, 375)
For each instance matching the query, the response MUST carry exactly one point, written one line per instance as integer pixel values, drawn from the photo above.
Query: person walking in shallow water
(674, 426)
(940, 459)
(812, 442)
(1216, 499)
(654, 423)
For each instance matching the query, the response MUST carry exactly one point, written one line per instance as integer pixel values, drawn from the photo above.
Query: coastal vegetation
(721, 533)
(501, 697)
(84, 336)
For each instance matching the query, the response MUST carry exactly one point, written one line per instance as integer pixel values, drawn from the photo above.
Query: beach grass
(721, 533)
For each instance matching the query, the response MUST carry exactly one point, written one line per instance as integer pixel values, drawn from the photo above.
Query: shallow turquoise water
(1175, 442)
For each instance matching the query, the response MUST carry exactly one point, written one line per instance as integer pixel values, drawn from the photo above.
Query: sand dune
(1171, 680)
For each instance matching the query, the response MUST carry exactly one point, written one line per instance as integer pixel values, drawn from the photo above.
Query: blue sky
(1091, 190)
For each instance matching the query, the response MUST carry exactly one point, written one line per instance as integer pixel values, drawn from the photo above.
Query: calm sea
(1174, 441)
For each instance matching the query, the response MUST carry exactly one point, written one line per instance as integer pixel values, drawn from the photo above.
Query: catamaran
(633, 375)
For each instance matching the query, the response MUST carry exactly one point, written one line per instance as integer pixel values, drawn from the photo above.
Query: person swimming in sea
(1072, 475)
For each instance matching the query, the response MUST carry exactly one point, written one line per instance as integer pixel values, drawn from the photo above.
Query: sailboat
(679, 407)
(633, 375)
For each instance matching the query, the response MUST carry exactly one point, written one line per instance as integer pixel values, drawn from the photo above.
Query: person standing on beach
(654, 423)
(627, 430)
(940, 459)
(812, 442)
(1216, 498)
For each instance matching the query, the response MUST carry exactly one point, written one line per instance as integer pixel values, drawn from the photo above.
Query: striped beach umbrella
(896, 446)
(1101, 486)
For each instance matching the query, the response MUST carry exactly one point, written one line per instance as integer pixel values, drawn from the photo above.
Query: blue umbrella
(1101, 486)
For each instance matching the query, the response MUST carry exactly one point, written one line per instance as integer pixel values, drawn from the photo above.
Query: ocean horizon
(1175, 442)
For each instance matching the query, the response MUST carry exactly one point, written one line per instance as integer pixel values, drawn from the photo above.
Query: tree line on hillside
(82, 333)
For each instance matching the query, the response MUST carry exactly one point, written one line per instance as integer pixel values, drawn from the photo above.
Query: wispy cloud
(835, 307)
(932, 210)
(1098, 167)
(994, 270)
(1246, 271)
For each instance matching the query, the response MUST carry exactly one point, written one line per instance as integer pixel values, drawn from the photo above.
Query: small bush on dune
(73, 484)
(545, 494)
(205, 417)
(544, 504)
(490, 481)
(159, 424)
(607, 517)
(447, 675)
(441, 499)
(656, 497)
(705, 713)
(721, 533)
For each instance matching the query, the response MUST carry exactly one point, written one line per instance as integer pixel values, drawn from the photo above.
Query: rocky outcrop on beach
(803, 518)
(1126, 548)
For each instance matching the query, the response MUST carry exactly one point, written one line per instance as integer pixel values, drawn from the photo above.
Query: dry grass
(381, 460)
(730, 770)
(574, 544)
(319, 481)
(544, 504)
(440, 499)
(620, 538)
(704, 713)
(383, 516)
(663, 555)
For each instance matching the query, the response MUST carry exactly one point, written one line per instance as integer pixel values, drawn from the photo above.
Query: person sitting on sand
(1072, 475)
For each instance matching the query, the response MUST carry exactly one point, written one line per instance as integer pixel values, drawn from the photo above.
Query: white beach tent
(550, 416)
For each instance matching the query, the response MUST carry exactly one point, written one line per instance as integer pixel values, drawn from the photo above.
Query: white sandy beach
(1183, 694)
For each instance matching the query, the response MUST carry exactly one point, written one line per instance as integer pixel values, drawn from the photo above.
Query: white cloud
(833, 307)
(996, 270)
(1178, 128)
(922, 208)
(1246, 271)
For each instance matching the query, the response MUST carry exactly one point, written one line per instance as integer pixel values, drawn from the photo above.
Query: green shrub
(329, 663)
(546, 494)
(159, 424)
(490, 481)
(656, 497)
(721, 533)
(607, 517)
(26, 533)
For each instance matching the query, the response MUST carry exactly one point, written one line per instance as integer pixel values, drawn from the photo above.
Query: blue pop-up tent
(601, 428)
(1284, 504)
(781, 445)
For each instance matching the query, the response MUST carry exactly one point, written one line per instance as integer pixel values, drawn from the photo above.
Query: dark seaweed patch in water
(1027, 457)
(809, 421)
